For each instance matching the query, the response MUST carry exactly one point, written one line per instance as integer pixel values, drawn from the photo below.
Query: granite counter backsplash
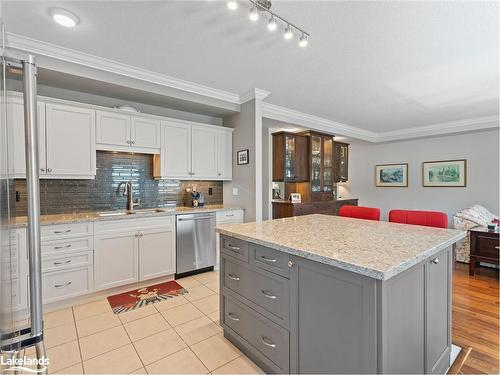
(101, 194)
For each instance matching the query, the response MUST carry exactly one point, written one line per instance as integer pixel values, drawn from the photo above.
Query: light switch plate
(235, 191)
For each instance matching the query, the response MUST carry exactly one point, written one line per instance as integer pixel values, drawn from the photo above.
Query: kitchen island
(326, 294)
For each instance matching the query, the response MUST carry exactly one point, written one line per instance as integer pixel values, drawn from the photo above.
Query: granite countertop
(21, 221)
(376, 249)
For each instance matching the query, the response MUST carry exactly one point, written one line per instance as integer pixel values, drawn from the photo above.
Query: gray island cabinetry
(325, 294)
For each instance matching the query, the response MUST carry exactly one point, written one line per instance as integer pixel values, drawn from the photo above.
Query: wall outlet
(235, 191)
(210, 191)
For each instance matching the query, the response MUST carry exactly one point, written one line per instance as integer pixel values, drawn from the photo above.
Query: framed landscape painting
(446, 173)
(391, 175)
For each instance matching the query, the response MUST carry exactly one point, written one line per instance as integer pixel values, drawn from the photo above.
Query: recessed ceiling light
(64, 18)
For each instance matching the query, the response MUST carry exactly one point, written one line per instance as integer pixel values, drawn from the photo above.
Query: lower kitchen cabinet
(156, 253)
(116, 259)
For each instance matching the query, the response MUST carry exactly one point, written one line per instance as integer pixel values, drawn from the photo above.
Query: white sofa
(468, 218)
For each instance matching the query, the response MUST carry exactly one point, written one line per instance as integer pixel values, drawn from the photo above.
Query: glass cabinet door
(315, 163)
(327, 164)
(289, 156)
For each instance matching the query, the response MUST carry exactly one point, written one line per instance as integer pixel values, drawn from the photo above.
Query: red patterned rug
(144, 296)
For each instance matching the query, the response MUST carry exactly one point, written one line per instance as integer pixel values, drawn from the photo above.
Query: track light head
(254, 14)
(304, 40)
(272, 25)
(288, 33)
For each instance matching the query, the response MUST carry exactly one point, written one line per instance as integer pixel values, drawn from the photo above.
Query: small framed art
(391, 175)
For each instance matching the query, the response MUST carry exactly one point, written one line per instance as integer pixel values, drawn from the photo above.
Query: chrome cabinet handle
(268, 295)
(133, 142)
(232, 247)
(229, 215)
(220, 174)
(61, 263)
(266, 342)
(42, 169)
(435, 261)
(266, 259)
(62, 247)
(234, 277)
(49, 169)
(63, 285)
(233, 317)
(290, 263)
(61, 232)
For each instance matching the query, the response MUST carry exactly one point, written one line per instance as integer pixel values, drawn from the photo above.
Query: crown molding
(279, 113)
(255, 93)
(444, 128)
(38, 47)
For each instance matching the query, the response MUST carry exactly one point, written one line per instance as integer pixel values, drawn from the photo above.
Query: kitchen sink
(127, 213)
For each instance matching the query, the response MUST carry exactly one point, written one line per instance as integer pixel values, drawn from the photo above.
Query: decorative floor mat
(137, 298)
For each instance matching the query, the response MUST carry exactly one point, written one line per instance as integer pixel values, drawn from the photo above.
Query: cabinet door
(115, 260)
(70, 134)
(175, 150)
(438, 314)
(204, 152)
(156, 252)
(112, 129)
(15, 128)
(224, 154)
(145, 132)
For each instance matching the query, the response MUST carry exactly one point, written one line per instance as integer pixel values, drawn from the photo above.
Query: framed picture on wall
(391, 175)
(445, 173)
(242, 157)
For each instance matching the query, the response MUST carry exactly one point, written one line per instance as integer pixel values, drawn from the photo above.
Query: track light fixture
(264, 6)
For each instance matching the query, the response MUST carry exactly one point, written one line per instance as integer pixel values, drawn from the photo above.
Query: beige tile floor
(180, 335)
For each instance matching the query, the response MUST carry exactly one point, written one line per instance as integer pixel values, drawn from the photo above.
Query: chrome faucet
(128, 191)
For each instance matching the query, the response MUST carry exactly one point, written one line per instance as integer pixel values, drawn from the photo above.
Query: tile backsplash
(105, 192)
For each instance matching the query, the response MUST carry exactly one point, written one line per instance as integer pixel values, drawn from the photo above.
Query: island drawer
(234, 247)
(270, 260)
(268, 291)
(64, 231)
(267, 337)
(68, 245)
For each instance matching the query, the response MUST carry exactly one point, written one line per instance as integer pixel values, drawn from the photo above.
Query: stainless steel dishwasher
(195, 243)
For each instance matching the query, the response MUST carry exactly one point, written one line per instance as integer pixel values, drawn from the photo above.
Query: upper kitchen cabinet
(290, 157)
(15, 126)
(341, 157)
(70, 147)
(322, 166)
(66, 140)
(193, 152)
(122, 132)
(204, 152)
(224, 153)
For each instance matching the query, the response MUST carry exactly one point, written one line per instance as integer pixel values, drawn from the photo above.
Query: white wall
(480, 149)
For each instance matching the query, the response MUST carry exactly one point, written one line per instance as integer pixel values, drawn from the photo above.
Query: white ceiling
(380, 66)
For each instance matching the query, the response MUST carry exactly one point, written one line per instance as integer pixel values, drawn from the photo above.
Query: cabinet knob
(435, 261)
(291, 263)
(49, 169)
(133, 142)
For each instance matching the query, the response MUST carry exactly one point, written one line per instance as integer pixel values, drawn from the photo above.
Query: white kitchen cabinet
(112, 129)
(15, 128)
(224, 154)
(156, 252)
(115, 259)
(204, 152)
(145, 132)
(122, 132)
(70, 136)
(175, 155)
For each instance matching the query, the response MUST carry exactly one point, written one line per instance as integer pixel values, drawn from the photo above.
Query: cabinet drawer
(63, 231)
(268, 338)
(270, 260)
(66, 284)
(53, 263)
(233, 216)
(115, 226)
(67, 246)
(268, 291)
(487, 247)
(234, 247)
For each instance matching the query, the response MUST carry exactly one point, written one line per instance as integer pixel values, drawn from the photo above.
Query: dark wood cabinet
(322, 166)
(290, 157)
(341, 157)
(282, 209)
(484, 247)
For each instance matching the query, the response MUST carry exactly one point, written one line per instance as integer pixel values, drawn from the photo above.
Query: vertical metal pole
(33, 190)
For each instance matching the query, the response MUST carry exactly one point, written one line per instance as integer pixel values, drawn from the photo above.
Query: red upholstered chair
(360, 212)
(425, 218)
